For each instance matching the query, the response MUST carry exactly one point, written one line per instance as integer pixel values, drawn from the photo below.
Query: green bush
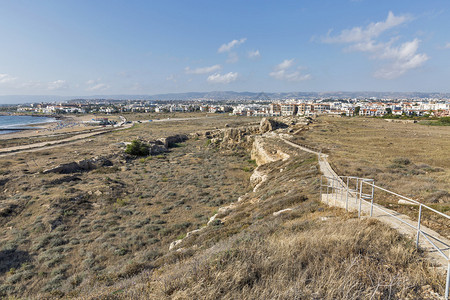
(137, 148)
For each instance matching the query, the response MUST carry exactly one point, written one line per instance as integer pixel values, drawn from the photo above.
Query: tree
(357, 110)
(137, 148)
(388, 111)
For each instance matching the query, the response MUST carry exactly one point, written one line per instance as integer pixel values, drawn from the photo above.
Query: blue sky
(76, 48)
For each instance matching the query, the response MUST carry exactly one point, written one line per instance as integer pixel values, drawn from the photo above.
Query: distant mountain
(225, 96)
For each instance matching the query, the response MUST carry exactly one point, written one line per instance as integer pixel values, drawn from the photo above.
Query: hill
(141, 228)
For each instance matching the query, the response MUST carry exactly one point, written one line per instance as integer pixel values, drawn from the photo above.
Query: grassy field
(311, 252)
(407, 158)
(105, 234)
(61, 229)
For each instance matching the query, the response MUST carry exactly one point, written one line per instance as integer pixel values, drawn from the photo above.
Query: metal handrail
(410, 200)
(338, 186)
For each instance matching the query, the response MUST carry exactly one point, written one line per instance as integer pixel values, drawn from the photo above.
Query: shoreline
(61, 125)
(17, 128)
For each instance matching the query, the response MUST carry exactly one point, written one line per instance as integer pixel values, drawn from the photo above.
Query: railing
(351, 188)
(340, 188)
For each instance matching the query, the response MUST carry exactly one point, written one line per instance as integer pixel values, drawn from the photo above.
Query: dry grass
(105, 234)
(409, 159)
(377, 149)
(312, 252)
(59, 230)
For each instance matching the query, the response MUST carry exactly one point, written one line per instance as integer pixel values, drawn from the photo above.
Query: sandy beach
(65, 125)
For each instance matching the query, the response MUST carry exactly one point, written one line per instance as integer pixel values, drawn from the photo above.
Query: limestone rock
(268, 124)
(277, 213)
(174, 244)
(82, 165)
(171, 140)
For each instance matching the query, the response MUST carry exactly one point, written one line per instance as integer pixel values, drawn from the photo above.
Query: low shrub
(137, 148)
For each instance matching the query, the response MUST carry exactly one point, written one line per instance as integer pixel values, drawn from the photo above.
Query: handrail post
(418, 226)
(371, 203)
(346, 200)
(360, 198)
(328, 188)
(447, 285)
(321, 179)
(332, 188)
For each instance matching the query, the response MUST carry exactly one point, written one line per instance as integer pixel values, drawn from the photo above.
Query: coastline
(16, 128)
(62, 125)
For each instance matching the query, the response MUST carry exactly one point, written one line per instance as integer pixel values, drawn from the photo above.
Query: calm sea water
(20, 121)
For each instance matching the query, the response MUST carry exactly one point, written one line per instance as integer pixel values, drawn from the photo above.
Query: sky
(95, 47)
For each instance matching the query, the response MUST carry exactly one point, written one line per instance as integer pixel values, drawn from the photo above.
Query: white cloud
(231, 45)
(225, 78)
(282, 72)
(447, 46)
(96, 85)
(286, 64)
(6, 78)
(399, 59)
(403, 59)
(373, 30)
(57, 85)
(204, 70)
(232, 58)
(254, 54)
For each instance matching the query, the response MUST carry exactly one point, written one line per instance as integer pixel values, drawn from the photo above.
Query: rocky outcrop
(268, 124)
(229, 136)
(257, 179)
(263, 153)
(172, 140)
(80, 166)
(156, 147)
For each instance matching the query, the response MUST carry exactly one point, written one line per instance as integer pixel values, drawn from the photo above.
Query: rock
(406, 202)
(268, 124)
(282, 211)
(64, 168)
(192, 232)
(174, 244)
(157, 148)
(98, 193)
(211, 219)
(257, 179)
(171, 140)
(263, 155)
(82, 165)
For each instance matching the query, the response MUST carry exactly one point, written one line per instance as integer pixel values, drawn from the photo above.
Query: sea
(20, 122)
